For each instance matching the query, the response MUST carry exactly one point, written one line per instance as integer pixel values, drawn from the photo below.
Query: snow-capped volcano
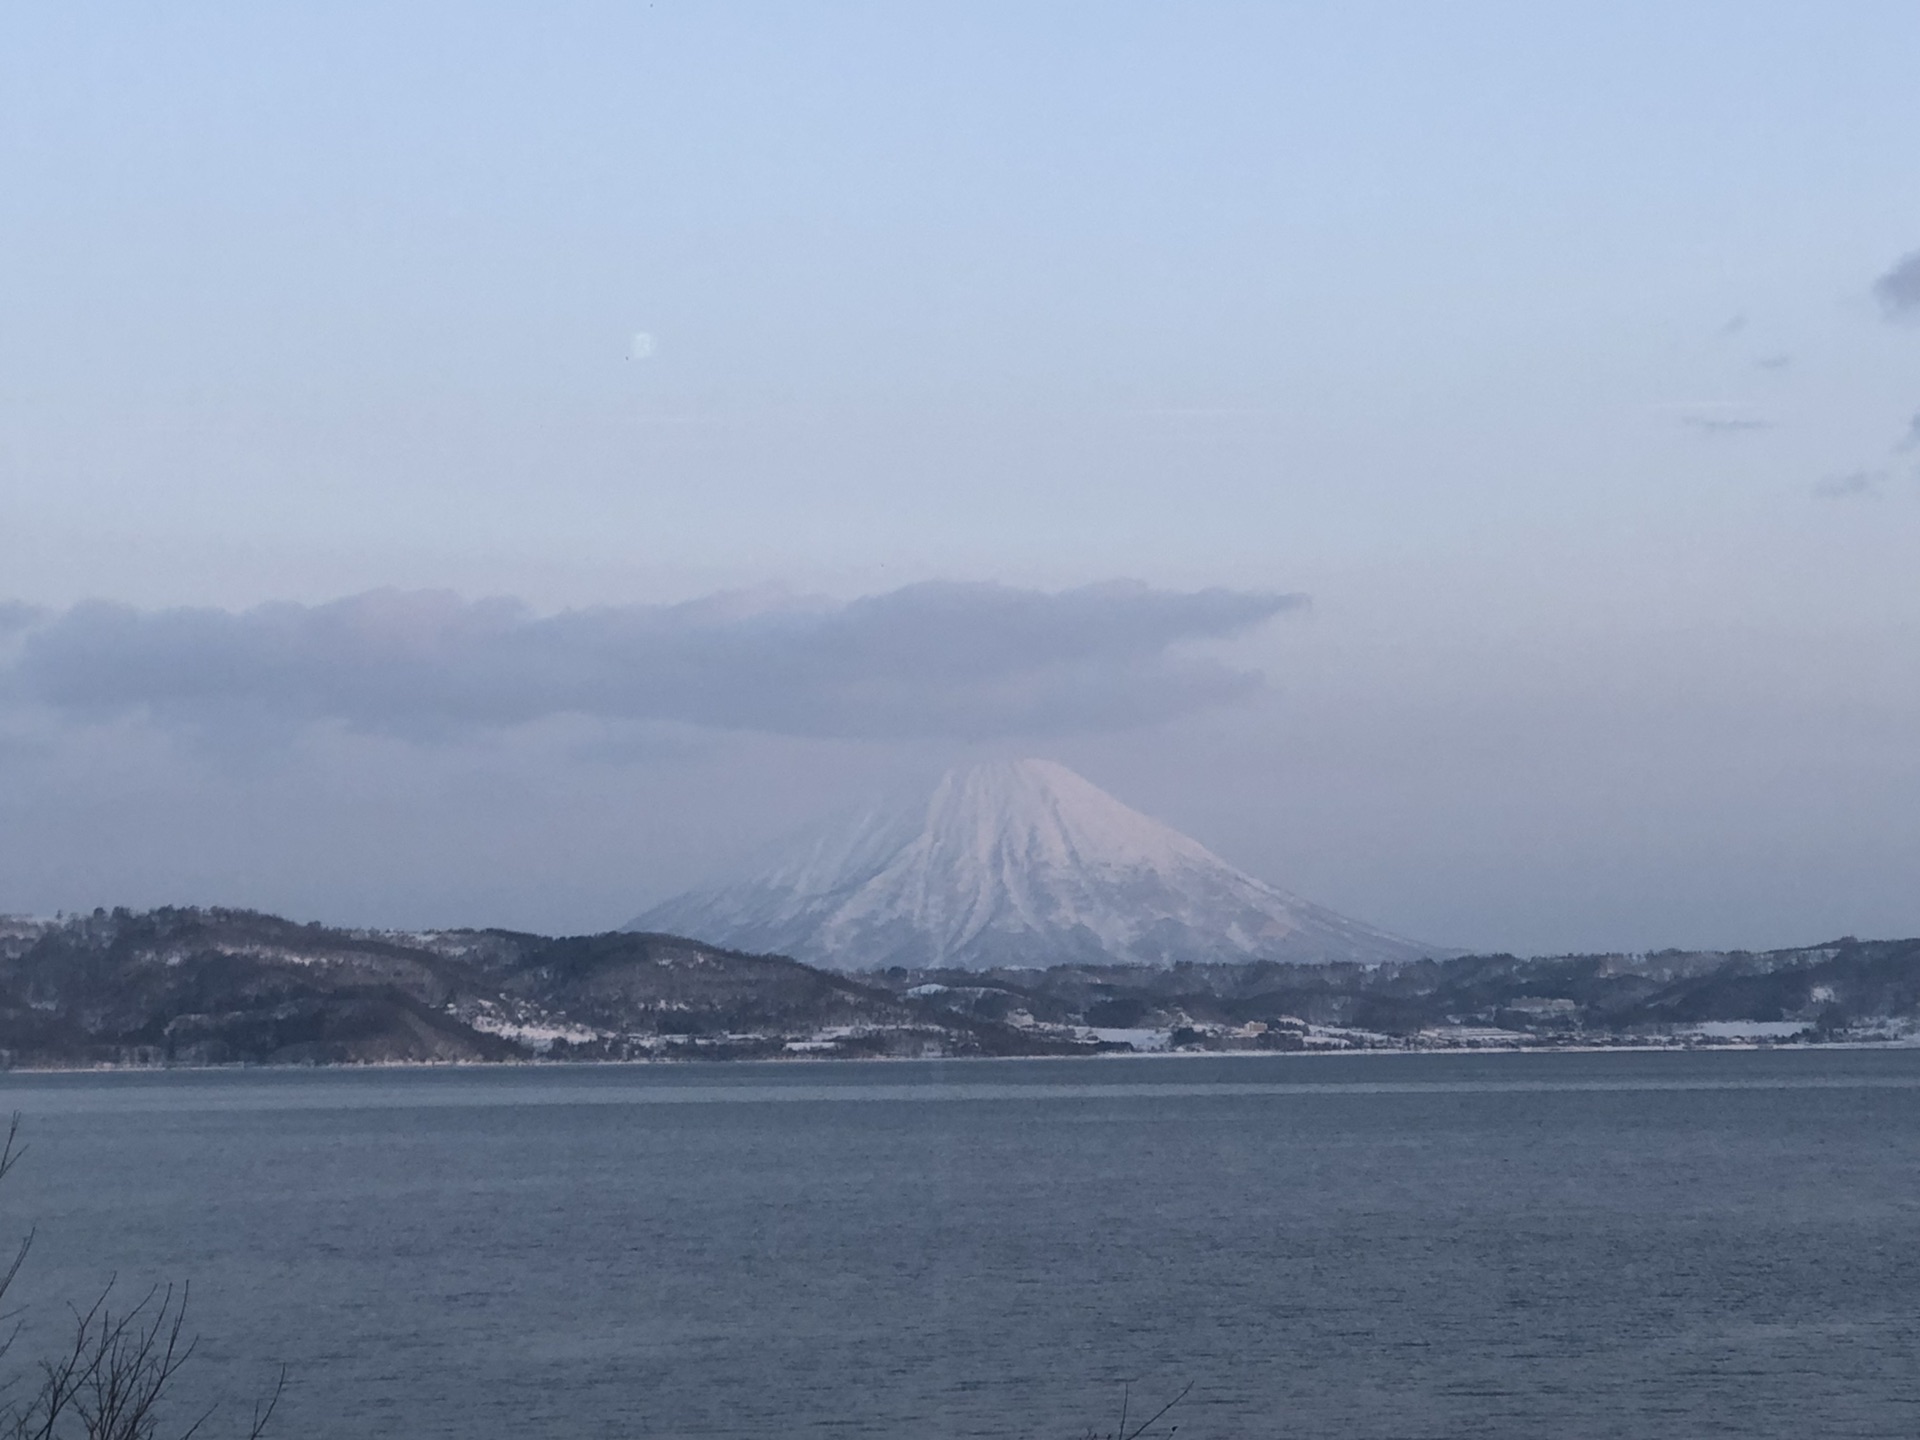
(1020, 863)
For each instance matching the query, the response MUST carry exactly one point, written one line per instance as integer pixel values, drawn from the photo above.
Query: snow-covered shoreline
(1102, 1057)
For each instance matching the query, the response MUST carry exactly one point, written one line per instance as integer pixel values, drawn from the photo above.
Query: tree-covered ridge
(211, 986)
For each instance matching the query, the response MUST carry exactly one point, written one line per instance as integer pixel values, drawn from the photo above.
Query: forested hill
(191, 986)
(1848, 990)
(196, 986)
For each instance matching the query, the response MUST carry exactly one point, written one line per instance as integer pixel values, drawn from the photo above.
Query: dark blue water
(1538, 1245)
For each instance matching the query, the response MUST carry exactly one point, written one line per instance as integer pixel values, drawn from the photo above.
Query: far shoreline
(535, 1063)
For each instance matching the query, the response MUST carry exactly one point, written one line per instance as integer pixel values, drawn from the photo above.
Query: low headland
(197, 987)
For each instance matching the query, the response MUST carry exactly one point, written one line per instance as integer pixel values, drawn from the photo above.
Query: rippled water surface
(1539, 1245)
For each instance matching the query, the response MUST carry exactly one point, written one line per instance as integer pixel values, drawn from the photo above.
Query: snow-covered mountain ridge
(1015, 863)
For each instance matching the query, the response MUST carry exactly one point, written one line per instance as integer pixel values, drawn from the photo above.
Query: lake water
(1506, 1245)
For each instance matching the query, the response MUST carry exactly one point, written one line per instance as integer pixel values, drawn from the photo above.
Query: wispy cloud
(1205, 412)
(950, 659)
(1854, 485)
(1724, 424)
(1898, 291)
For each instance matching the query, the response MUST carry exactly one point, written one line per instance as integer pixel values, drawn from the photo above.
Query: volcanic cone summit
(1020, 863)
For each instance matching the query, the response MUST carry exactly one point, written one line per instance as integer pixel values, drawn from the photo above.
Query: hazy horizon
(469, 466)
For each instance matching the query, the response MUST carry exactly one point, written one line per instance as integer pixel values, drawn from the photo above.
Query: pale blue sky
(1538, 344)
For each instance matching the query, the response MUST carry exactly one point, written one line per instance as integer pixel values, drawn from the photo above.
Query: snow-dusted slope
(1020, 863)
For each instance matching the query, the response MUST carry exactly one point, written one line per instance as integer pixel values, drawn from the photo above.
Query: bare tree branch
(116, 1374)
(1126, 1402)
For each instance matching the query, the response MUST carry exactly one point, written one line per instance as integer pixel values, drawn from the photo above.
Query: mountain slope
(1018, 864)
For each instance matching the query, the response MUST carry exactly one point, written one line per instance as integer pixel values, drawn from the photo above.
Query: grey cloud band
(943, 658)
